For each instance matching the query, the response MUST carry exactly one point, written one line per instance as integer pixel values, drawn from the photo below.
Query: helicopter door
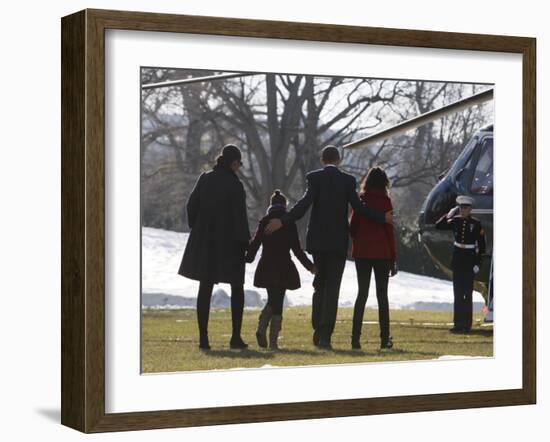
(482, 180)
(481, 187)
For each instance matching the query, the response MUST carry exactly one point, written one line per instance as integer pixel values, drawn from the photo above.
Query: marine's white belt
(465, 246)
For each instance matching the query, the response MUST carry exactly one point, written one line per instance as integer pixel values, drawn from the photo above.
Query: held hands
(273, 225)
(248, 257)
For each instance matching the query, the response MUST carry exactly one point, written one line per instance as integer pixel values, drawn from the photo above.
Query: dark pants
(381, 269)
(463, 285)
(203, 308)
(275, 298)
(326, 284)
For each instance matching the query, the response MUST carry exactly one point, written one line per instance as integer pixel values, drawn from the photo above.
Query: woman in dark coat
(218, 241)
(373, 250)
(276, 272)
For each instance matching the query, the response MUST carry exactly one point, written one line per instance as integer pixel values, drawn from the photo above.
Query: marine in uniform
(468, 249)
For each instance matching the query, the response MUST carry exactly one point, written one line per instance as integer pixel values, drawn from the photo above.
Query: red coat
(370, 239)
(275, 268)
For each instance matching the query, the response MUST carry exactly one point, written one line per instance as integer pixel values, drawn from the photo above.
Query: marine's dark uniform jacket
(469, 240)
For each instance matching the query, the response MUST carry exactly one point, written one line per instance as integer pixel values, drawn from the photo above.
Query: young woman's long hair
(376, 178)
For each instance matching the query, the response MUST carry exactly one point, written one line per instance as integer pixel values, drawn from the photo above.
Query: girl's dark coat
(219, 237)
(275, 268)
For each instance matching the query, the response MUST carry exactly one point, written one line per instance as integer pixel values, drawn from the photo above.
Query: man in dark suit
(329, 191)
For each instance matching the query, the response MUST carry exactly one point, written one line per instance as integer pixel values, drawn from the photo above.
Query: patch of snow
(162, 287)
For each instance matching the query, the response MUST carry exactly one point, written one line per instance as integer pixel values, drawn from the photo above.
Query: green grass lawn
(170, 340)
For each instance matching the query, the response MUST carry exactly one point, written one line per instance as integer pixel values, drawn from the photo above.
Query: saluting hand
(453, 212)
(273, 225)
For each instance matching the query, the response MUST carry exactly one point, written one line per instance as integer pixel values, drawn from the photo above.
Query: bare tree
(282, 121)
(415, 161)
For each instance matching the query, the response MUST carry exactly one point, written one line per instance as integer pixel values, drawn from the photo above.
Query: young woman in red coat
(373, 250)
(276, 272)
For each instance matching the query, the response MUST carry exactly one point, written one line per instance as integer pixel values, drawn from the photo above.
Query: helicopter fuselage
(472, 175)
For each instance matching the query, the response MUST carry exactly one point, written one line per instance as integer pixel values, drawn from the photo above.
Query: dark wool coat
(275, 268)
(329, 192)
(372, 240)
(219, 237)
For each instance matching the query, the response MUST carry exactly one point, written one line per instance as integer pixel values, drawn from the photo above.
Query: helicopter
(471, 174)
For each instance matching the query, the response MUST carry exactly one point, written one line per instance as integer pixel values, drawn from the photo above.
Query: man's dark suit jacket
(329, 191)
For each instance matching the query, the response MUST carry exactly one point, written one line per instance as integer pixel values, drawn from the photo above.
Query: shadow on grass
(443, 342)
(352, 353)
(262, 354)
(239, 354)
(473, 332)
(386, 352)
(296, 351)
(479, 332)
(270, 354)
(365, 352)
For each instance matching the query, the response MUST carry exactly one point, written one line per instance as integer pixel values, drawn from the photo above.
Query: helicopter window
(462, 175)
(482, 182)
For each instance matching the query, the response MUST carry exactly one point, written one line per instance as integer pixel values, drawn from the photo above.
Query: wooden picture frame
(83, 220)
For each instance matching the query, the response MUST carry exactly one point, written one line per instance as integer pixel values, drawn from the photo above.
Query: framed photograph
(268, 220)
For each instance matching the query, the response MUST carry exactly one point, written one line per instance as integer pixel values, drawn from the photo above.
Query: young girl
(373, 250)
(276, 272)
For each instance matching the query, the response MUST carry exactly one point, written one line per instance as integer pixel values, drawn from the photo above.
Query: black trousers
(381, 269)
(326, 284)
(203, 308)
(463, 285)
(275, 299)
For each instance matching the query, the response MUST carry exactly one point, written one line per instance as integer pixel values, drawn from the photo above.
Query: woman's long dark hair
(229, 153)
(222, 161)
(376, 178)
